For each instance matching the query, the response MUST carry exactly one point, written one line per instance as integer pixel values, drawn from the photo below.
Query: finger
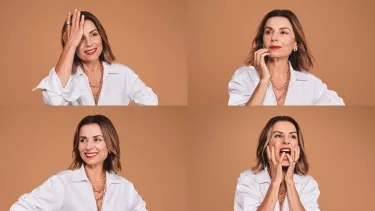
(261, 56)
(256, 57)
(74, 19)
(268, 153)
(78, 18)
(273, 155)
(298, 153)
(290, 159)
(292, 150)
(281, 158)
(68, 27)
(82, 21)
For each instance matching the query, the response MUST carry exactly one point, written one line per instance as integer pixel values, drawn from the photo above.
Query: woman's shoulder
(304, 179)
(246, 73)
(118, 68)
(116, 178)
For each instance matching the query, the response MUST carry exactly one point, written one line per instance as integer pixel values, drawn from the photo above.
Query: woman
(277, 71)
(85, 73)
(279, 181)
(92, 182)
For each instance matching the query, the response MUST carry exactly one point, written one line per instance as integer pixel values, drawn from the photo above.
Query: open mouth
(287, 151)
(91, 51)
(91, 154)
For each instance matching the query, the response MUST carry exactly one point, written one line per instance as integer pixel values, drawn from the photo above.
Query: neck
(92, 67)
(278, 67)
(94, 172)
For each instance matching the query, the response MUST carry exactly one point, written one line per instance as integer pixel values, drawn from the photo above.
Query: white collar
(106, 68)
(294, 75)
(79, 175)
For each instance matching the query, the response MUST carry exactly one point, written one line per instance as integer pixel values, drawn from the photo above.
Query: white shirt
(120, 85)
(304, 89)
(252, 188)
(71, 190)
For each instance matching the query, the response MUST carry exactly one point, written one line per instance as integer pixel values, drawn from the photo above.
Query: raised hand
(275, 166)
(260, 64)
(74, 30)
(293, 159)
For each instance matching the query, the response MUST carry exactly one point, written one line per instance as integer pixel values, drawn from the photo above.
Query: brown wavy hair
(106, 55)
(111, 139)
(302, 59)
(302, 166)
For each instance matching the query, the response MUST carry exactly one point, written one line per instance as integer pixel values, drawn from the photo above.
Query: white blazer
(304, 89)
(120, 86)
(71, 190)
(252, 188)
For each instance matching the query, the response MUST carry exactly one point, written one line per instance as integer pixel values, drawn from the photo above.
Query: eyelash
(85, 140)
(269, 32)
(279, 136)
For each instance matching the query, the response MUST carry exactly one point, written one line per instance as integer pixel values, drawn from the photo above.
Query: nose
(88, 41)
(274, 36)
(286, 140)
(89, 145)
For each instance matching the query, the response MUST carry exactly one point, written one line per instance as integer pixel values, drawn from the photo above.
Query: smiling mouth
(91, 154)
(91, 52)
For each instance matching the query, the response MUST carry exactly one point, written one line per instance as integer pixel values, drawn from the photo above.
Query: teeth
(90, 51)
(92, 154)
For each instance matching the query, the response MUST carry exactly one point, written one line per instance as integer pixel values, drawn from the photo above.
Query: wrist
(264, 81)
(289, 183)
(70, 47)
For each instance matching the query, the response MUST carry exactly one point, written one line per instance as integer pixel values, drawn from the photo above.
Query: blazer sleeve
(324, 96)
(240, 88)
(53, 92)
(247, 197)
(310, 195)
(48, 196)
(139, 92)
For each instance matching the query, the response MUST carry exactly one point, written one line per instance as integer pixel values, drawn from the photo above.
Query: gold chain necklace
(284, 87)
(99, 85)
(101, 191)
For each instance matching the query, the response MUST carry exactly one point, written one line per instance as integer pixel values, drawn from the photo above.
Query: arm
(140, 93)
(49, 196)
(293, 197)
(72, 38)
(324, 96)
(137, 203)
(259, 93)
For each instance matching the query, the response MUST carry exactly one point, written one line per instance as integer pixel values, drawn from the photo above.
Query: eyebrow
(93, 136)
(267, 27)
(93, 31)
(282, 132)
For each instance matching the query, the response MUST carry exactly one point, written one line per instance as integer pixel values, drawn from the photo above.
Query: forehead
(278, 22)
(90, 130)
(284, 126)
(88, 26)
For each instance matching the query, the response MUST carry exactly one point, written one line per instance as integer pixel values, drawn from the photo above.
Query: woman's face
(90, 47)
(279, 37)
(92, 147)
(283, 138)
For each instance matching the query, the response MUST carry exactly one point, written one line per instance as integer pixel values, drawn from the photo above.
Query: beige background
(339, 143)
(340, 34)
(37, 143)
(148, 36)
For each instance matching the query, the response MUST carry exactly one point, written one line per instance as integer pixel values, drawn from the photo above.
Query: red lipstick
(274, 47)
(90, 52)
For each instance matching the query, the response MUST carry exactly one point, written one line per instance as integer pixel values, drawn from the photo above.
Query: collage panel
(338, 147)
(281, 52)
(140, 59)
(38, 151)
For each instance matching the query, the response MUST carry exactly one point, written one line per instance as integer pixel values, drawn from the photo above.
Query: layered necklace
(100, 192)
(283, 88)
(282, 197)
(97, 86)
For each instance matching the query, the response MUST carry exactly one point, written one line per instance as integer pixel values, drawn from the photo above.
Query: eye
(293, 136)
(97, 139)
(267, 32)
(278, 136)
(284, 32)
(82, 140)
(94, 34)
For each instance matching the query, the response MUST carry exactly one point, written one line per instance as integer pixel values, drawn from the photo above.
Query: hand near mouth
(294, 156)
(275, 167)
